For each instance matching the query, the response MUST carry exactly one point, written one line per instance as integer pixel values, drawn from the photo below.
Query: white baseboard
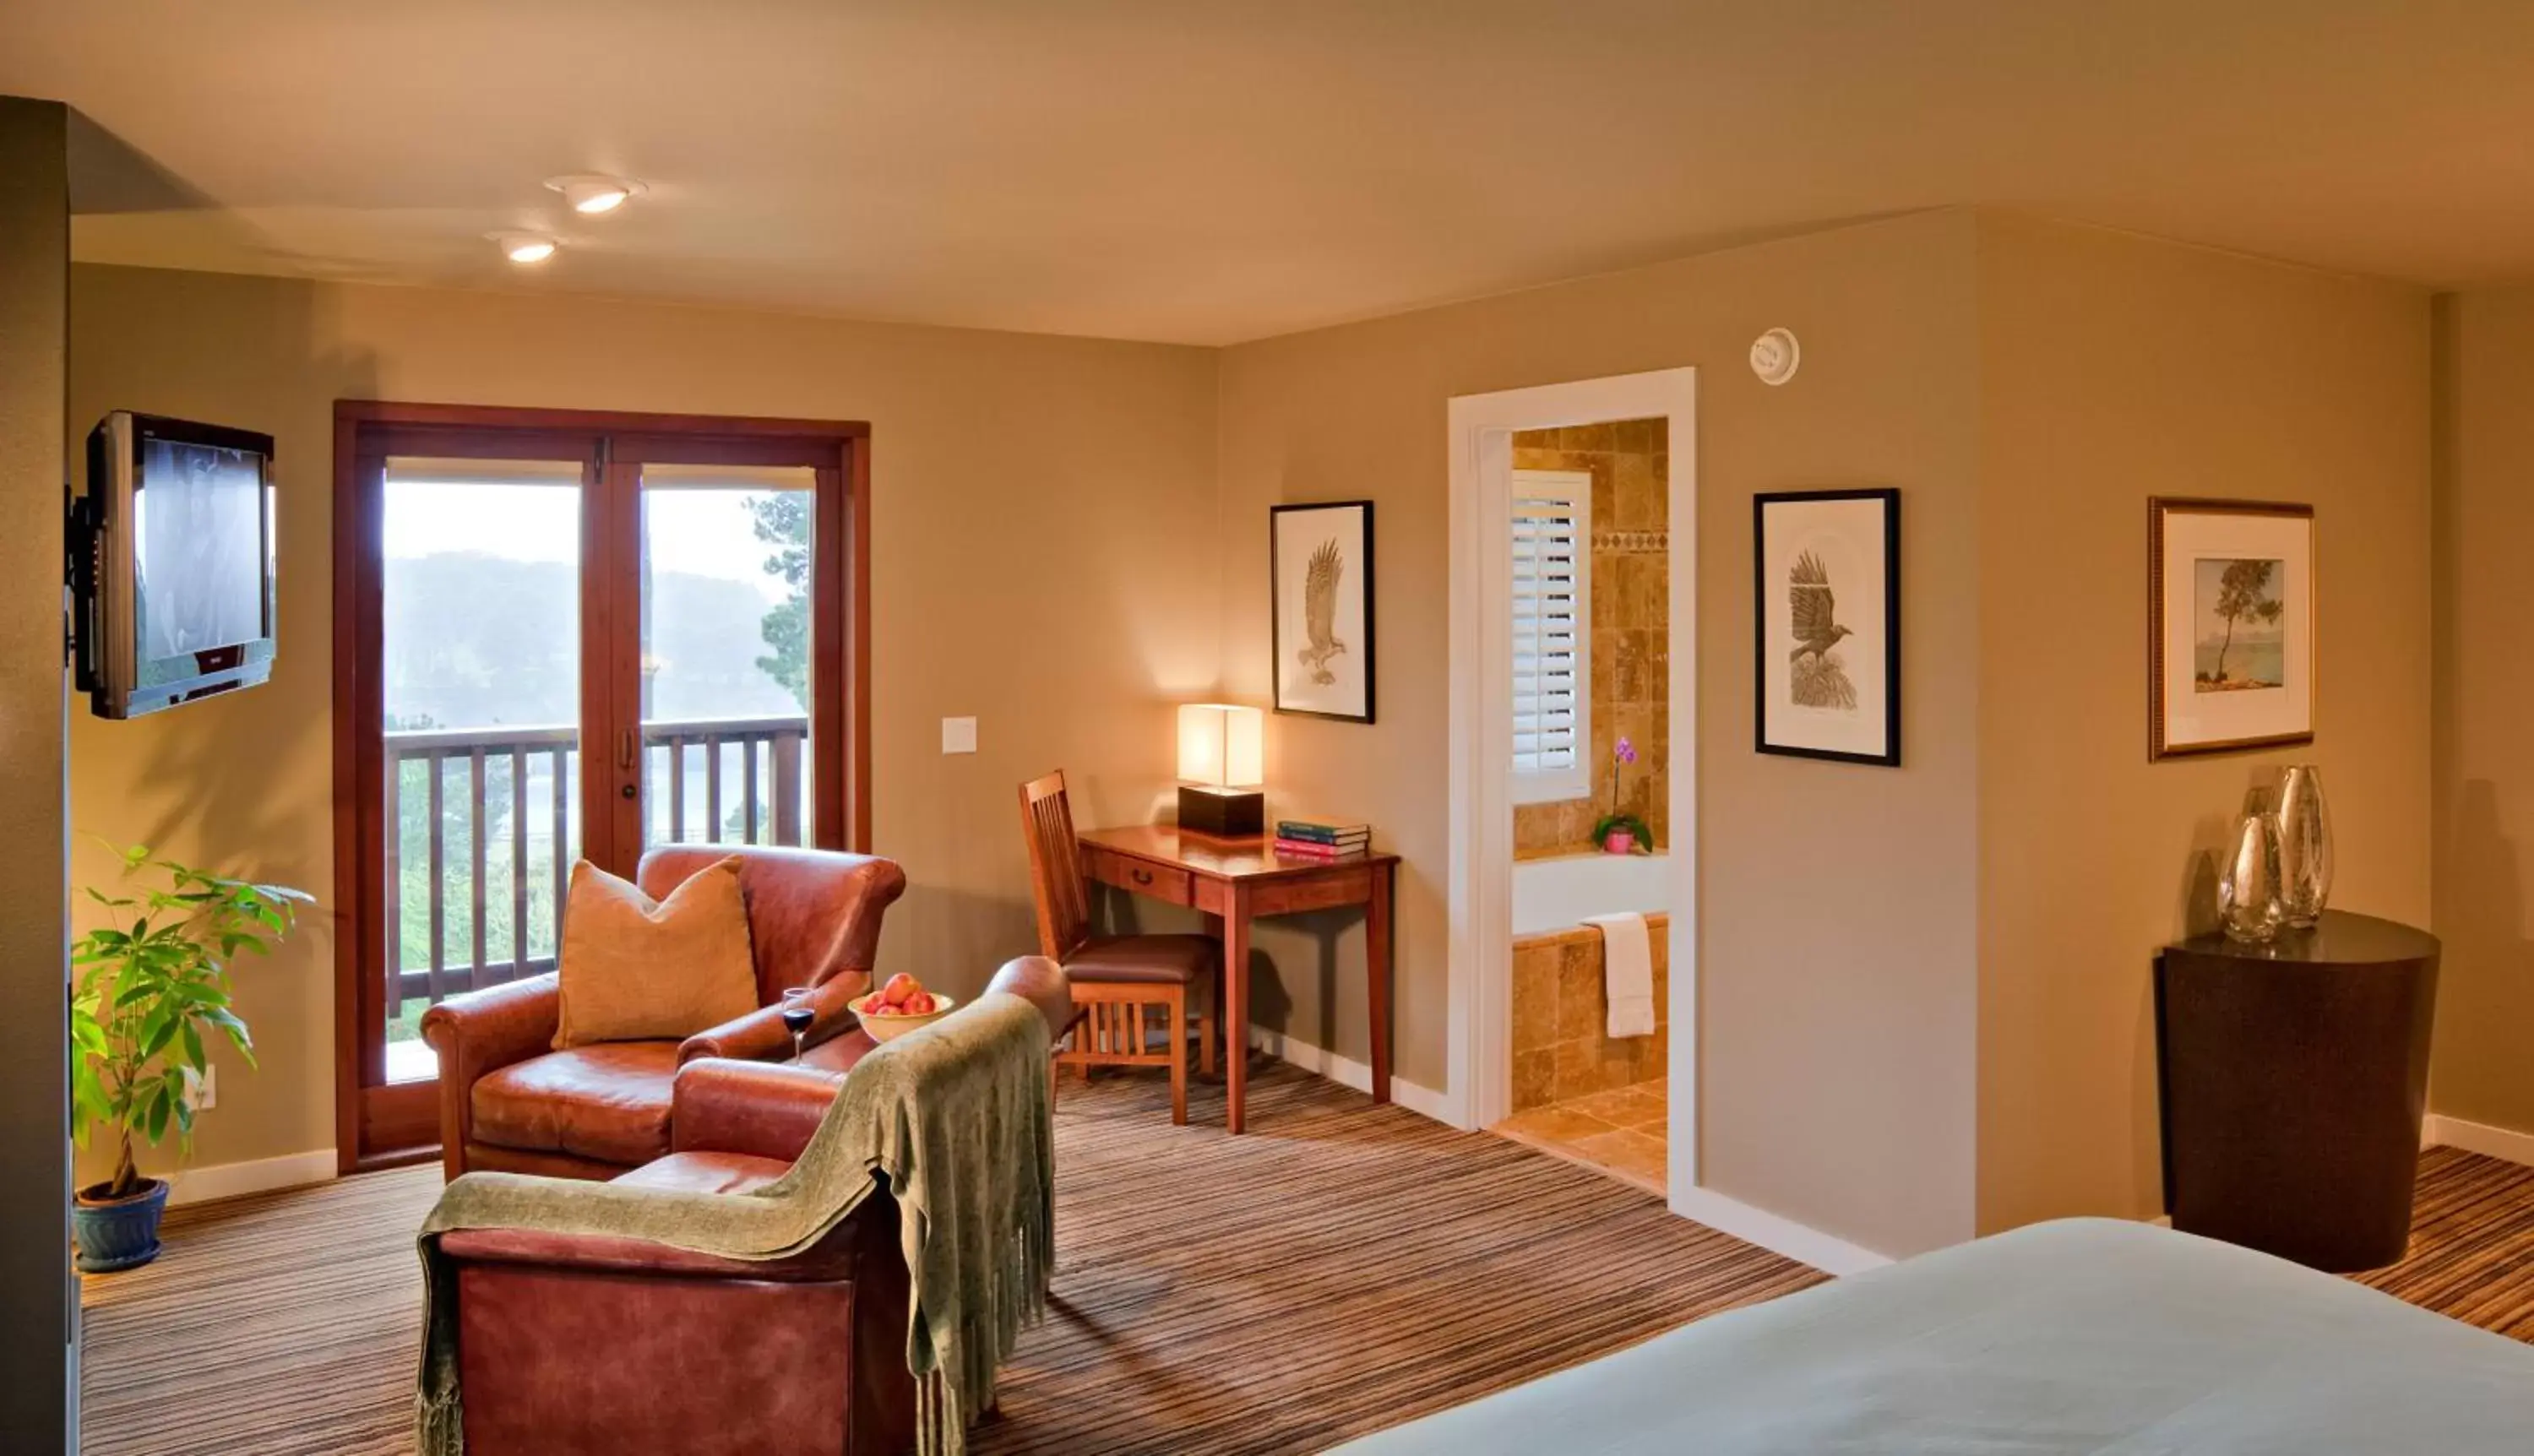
(260, 1176)
(2477, 1137)
(1775, 1233)
(1347, 1073)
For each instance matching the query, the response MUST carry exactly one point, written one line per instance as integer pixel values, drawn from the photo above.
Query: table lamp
(1222, 763)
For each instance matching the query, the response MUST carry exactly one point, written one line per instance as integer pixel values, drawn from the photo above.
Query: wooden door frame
(367, 432)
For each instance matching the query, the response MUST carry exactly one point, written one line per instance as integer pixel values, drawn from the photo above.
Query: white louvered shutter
(1553, 678)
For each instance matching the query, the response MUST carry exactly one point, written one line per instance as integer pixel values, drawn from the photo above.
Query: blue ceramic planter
(122, 1235)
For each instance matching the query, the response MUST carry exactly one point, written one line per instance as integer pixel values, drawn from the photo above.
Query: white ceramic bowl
(889, 1026)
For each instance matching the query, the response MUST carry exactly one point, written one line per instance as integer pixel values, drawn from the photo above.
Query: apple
(900, 987)
(919, 1004)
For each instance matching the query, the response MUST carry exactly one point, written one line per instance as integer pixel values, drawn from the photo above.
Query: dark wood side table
(2294, 1078)
(1235, 880)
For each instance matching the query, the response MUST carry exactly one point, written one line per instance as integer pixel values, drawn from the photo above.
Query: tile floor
(1620, 1132)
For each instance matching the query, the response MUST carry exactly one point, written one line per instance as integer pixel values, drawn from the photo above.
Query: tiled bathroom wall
(1560, 1016)
(1629, 462)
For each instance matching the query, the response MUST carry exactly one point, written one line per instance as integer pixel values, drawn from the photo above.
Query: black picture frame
(1764, 581)
(1363, 591)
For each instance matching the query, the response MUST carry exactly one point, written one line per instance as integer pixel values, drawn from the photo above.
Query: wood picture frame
(1811, 696)
(2230, 629)
(1320, 623)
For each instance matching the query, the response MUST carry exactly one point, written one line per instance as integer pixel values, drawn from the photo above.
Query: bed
(2086, 1335)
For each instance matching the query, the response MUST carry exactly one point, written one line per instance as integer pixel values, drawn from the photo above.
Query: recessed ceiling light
(592, 193)
(524, 247)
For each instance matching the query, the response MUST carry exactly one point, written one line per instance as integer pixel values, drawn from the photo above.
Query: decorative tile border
(1632, 543)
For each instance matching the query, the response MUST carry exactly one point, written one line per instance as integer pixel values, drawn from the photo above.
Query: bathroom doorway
(1573, 919)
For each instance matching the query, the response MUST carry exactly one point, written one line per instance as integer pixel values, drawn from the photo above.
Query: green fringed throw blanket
(956, 1117)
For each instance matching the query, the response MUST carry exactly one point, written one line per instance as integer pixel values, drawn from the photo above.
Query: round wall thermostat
(1775, 355)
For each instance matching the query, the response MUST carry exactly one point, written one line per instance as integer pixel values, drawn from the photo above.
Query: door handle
(625, 749)
(627, 791)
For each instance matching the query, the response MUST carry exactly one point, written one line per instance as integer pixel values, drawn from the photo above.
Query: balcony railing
(482, 833)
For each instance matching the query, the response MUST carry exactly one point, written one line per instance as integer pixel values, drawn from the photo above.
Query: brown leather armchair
(572, 1345)
(510, 1102)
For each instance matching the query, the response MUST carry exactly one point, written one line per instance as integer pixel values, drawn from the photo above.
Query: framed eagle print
(1319, 559)
(1826, 680)
(2230, 626)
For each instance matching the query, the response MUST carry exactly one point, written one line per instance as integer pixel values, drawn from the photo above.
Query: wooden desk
(1235, 880)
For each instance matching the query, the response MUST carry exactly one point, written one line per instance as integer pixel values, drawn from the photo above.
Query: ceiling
(1208, 171)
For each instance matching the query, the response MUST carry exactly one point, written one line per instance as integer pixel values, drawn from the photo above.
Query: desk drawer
(1140, 876)
(1321, 891)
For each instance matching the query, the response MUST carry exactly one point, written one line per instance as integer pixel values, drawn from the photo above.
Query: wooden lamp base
(1226, 813)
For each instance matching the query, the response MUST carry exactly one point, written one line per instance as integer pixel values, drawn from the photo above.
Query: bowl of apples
(898, 1008)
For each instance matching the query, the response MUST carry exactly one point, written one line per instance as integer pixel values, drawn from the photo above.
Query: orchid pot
(1616, 832)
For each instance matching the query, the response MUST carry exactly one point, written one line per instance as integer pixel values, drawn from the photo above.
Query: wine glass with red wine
(798, 1014)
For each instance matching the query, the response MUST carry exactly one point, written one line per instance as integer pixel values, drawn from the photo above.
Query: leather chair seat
(608, 1101)
(1153, 960)
(706, 1173)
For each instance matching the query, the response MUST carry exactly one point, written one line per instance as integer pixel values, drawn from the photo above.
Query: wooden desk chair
(1116, 979)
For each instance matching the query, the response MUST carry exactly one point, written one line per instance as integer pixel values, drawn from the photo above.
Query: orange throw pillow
(633, 970)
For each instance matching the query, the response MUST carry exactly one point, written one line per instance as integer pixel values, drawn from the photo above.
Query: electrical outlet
(203, 1089)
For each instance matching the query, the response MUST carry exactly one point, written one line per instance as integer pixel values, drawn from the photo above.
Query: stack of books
(1312, 840)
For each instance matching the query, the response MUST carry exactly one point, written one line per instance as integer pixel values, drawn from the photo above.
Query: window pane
(481, 675)
(726, 591)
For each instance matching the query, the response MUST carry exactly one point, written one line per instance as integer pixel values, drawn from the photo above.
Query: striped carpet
(2472, 1244)
(1338, 1269)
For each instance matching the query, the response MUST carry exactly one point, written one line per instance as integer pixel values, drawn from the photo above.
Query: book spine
(1324, 833)
(1307, 850)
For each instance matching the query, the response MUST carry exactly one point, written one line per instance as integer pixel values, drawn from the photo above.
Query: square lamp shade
(1222, 763)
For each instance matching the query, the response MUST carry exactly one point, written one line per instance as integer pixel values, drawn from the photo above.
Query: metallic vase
(2305, 843)
(2251, 903)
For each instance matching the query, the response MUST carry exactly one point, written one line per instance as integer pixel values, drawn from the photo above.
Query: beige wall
(2115, 368)
(1836, 955)
(2484, 1069)
(1040, 510)
(1923, 990)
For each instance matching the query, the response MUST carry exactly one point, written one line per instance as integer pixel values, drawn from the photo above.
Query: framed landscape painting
(2230, 626)
(1319, 559)
(1826, 681)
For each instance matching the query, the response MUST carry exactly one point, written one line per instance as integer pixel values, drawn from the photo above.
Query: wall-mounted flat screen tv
(172, 563)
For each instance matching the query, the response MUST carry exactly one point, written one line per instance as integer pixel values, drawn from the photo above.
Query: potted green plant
(153, 984)
(1616, 832)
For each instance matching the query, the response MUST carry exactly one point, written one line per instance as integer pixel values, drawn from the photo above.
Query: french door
(564, 636)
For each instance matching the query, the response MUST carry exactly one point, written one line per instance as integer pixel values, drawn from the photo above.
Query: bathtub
(1554, 894)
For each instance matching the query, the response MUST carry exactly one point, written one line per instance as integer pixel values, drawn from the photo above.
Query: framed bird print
(2230, 626)
(1826, 680)
(1319, 559)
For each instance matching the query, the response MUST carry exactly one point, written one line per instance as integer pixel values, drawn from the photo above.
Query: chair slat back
(1055, 866)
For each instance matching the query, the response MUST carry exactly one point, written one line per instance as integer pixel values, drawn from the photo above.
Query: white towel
(1627, 972)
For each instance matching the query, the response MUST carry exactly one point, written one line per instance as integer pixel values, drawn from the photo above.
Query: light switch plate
(958, 735)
